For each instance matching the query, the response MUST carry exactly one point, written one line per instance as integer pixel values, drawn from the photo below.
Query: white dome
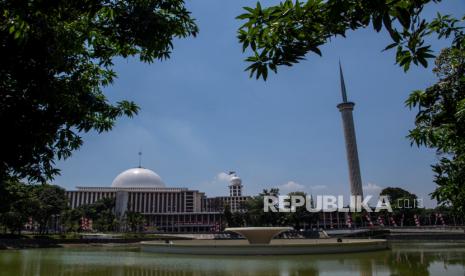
(138, 178)
(235, 180)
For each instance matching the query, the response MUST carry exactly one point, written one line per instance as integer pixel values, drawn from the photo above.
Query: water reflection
(403, 259)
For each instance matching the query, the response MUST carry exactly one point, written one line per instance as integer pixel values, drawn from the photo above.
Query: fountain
(259, 235)
(259, 241)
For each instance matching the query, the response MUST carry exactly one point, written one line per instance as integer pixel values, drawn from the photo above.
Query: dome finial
(140, 159)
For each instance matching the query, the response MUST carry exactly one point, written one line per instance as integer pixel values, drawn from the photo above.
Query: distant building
(167, 209)
(235, 201)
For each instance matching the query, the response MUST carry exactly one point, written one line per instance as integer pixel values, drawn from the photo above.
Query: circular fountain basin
(275, 247)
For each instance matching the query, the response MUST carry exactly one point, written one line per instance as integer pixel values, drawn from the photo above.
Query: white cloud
(291, 186)
(218, 186)
(222, 176)
(318, 187)
(372, 189)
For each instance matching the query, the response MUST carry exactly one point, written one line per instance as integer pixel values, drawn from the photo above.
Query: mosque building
(165, 208)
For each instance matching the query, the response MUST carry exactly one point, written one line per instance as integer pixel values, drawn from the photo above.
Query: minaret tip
(343, 85)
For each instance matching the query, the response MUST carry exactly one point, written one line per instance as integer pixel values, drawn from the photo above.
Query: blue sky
(201, 115)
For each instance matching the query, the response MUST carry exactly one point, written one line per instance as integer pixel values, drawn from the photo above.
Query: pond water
(402, 259)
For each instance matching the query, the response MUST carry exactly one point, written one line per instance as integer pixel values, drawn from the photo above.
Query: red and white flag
(441, 219)
(370, 223)
(349, 220)
(380, 221)
(417, 220)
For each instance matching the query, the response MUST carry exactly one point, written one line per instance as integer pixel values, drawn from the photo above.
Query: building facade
(164, 208)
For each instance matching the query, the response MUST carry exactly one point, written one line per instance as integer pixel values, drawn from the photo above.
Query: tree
(101, 212)
(57, 57)
(135, 221)
(399, 198)
(404, 204)
(236, 219)
(255, 215)
(104, 218)
(440, 124)
(22, 204)
(283, 34)
(301, 215)
(71, 219)
(52, 201)
(227, 215)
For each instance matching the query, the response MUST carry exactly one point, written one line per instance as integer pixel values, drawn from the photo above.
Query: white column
(162, 206)
(175, 208)
(157, 208)
(73, 195)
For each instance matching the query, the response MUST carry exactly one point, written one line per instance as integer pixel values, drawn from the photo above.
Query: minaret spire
(346, 109)
(343, 85)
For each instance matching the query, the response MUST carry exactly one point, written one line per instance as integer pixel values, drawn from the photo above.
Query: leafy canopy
(56, 58)
(283, 34)
(440, 124)
(100, 212)
(399, 198)
(19, 202)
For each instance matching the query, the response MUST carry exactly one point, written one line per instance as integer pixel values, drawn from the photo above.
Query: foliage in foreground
(283, 34)
(56, 56)
(440, 125)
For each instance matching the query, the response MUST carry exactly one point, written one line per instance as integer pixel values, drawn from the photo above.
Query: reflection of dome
(138, 178)
(235, 180)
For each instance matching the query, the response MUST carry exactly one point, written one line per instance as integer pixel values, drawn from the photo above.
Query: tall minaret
(351, 142)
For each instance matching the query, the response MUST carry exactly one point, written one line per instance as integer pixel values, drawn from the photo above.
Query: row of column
(78, 198)
(183, 221)
(150, 203)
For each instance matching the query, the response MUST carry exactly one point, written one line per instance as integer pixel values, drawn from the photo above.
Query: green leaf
(250, 10)
(265, 73)
(403, 16)
(243, 16)
(378, 22)
(316, 50)
(423, 61)
(390, 46)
